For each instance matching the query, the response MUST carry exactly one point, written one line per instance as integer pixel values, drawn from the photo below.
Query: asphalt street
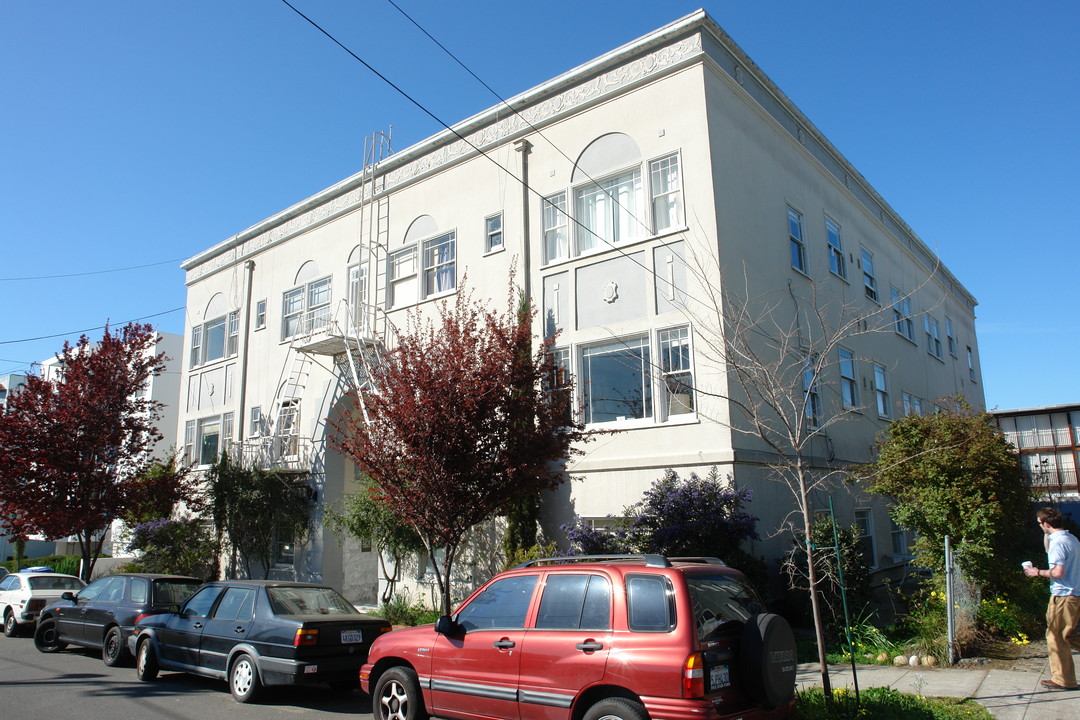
(75, 683)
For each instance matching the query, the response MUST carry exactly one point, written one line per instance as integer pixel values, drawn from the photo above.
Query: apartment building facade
(620, 192)
(1048, 442)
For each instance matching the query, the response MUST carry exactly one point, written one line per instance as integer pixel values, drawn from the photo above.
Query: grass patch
(880, 702)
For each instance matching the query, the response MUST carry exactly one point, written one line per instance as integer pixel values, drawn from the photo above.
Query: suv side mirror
(67, 595)
(449, 626)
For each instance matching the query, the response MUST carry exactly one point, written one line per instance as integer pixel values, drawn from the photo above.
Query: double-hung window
(865, 521)
(881, 390)
(849, 387)
(795, 237)
(869, 279)
(440, 264)
(215, 339)
(556, 225)
(402, 272)
(306, 308)
(677, 375)
(933, 339)
(665, 185)
(608, 212)
(949, 336)
(902, 315)
(971, 364)
(260, 314)
(493, 233)
(358, 295)
(836, 248)
(209, 441)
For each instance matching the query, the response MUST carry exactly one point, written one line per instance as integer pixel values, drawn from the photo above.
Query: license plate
(719, 677)
(351, 636)
(311, 669)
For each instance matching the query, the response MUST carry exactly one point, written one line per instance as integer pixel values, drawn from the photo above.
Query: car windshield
(309, 601)
(173, 592)
(55, 583)
(720, 600)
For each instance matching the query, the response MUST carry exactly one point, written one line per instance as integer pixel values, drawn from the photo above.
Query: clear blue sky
(138, 133)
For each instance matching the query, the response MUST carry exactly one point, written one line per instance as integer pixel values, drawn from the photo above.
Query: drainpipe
(242, 420)
(524, 147)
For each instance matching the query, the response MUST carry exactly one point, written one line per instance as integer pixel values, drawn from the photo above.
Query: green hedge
(67, 564)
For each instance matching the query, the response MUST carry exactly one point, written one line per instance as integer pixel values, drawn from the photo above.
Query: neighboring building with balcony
(639, 171)
(1048, 440)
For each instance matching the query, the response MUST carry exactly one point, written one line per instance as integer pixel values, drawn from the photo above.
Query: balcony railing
(290, 453)
(1044, 438)
(1055, 479)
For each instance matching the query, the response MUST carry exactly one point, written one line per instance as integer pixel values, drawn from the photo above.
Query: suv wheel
(146, 664)
(114, 651)
(244, 679)
(11, 628)
(617, 709)
(397, 696)
(46, 639)
(767, 661)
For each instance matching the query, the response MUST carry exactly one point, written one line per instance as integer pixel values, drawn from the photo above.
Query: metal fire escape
(351, 331)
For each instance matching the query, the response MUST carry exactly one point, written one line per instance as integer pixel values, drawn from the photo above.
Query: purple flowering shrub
(695, 516)
(182, 546)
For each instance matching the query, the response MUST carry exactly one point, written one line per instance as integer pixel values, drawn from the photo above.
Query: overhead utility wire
(92, 272)
(99, 327)
(465, 140)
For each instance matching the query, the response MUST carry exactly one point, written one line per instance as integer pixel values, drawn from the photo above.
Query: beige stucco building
(621, 191)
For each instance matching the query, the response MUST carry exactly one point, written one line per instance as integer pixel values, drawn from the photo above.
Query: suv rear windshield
(719, 601)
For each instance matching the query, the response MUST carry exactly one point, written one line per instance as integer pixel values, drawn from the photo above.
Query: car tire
(114, 650)
(616, 708)
(767, 661)
(397, 696)
(11, 628)
(146, 663)
(46, 637)
(244, 679)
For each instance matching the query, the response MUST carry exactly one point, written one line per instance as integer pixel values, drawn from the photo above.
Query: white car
(24, 594)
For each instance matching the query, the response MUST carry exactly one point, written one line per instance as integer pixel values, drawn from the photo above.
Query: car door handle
(239, 629)
(503, 644)
(589, 646)
(197, 626)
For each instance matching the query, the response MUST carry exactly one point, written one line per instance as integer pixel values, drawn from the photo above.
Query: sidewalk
(1007, 694)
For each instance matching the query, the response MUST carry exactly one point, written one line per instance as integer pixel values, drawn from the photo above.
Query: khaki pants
(1062, 614)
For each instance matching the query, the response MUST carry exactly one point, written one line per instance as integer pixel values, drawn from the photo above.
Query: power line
(99, 327)
(92, 272)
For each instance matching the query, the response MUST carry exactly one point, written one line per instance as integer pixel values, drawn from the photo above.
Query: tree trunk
(815, 606)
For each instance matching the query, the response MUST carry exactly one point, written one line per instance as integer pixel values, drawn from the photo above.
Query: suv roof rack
(648, 559)
(704, 560)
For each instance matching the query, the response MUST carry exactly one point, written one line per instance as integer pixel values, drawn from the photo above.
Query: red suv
(593, 638)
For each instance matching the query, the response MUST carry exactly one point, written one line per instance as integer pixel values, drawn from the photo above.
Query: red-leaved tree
(73, 447)
(462, 421)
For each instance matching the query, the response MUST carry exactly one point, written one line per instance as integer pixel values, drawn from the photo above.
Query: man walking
(1063, 612)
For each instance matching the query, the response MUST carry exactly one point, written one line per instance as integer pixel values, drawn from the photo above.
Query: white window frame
(255, 427)
(189, 442)
(260, 314)
(901, 547)
(902, 322)
(663, 380)
(225, 329)
(933, 336)
(849, 383)
(665, 193)
(971, 363)
(834, 241)
(401, 277)
(306, 308)
(439, 264)
(608, 211)
(869, 278)
(949, 336)
(493, 233)
(358, 295)
(881, 390)
(555, 224)
(202, 434)
(797, 245)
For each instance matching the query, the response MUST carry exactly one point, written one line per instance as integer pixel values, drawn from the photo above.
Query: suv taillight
(693, 682)
(305, 637)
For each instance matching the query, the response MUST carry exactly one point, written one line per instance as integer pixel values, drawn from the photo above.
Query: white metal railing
(283, 452)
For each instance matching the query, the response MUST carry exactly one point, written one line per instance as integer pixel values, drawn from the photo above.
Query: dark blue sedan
(259, 632)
